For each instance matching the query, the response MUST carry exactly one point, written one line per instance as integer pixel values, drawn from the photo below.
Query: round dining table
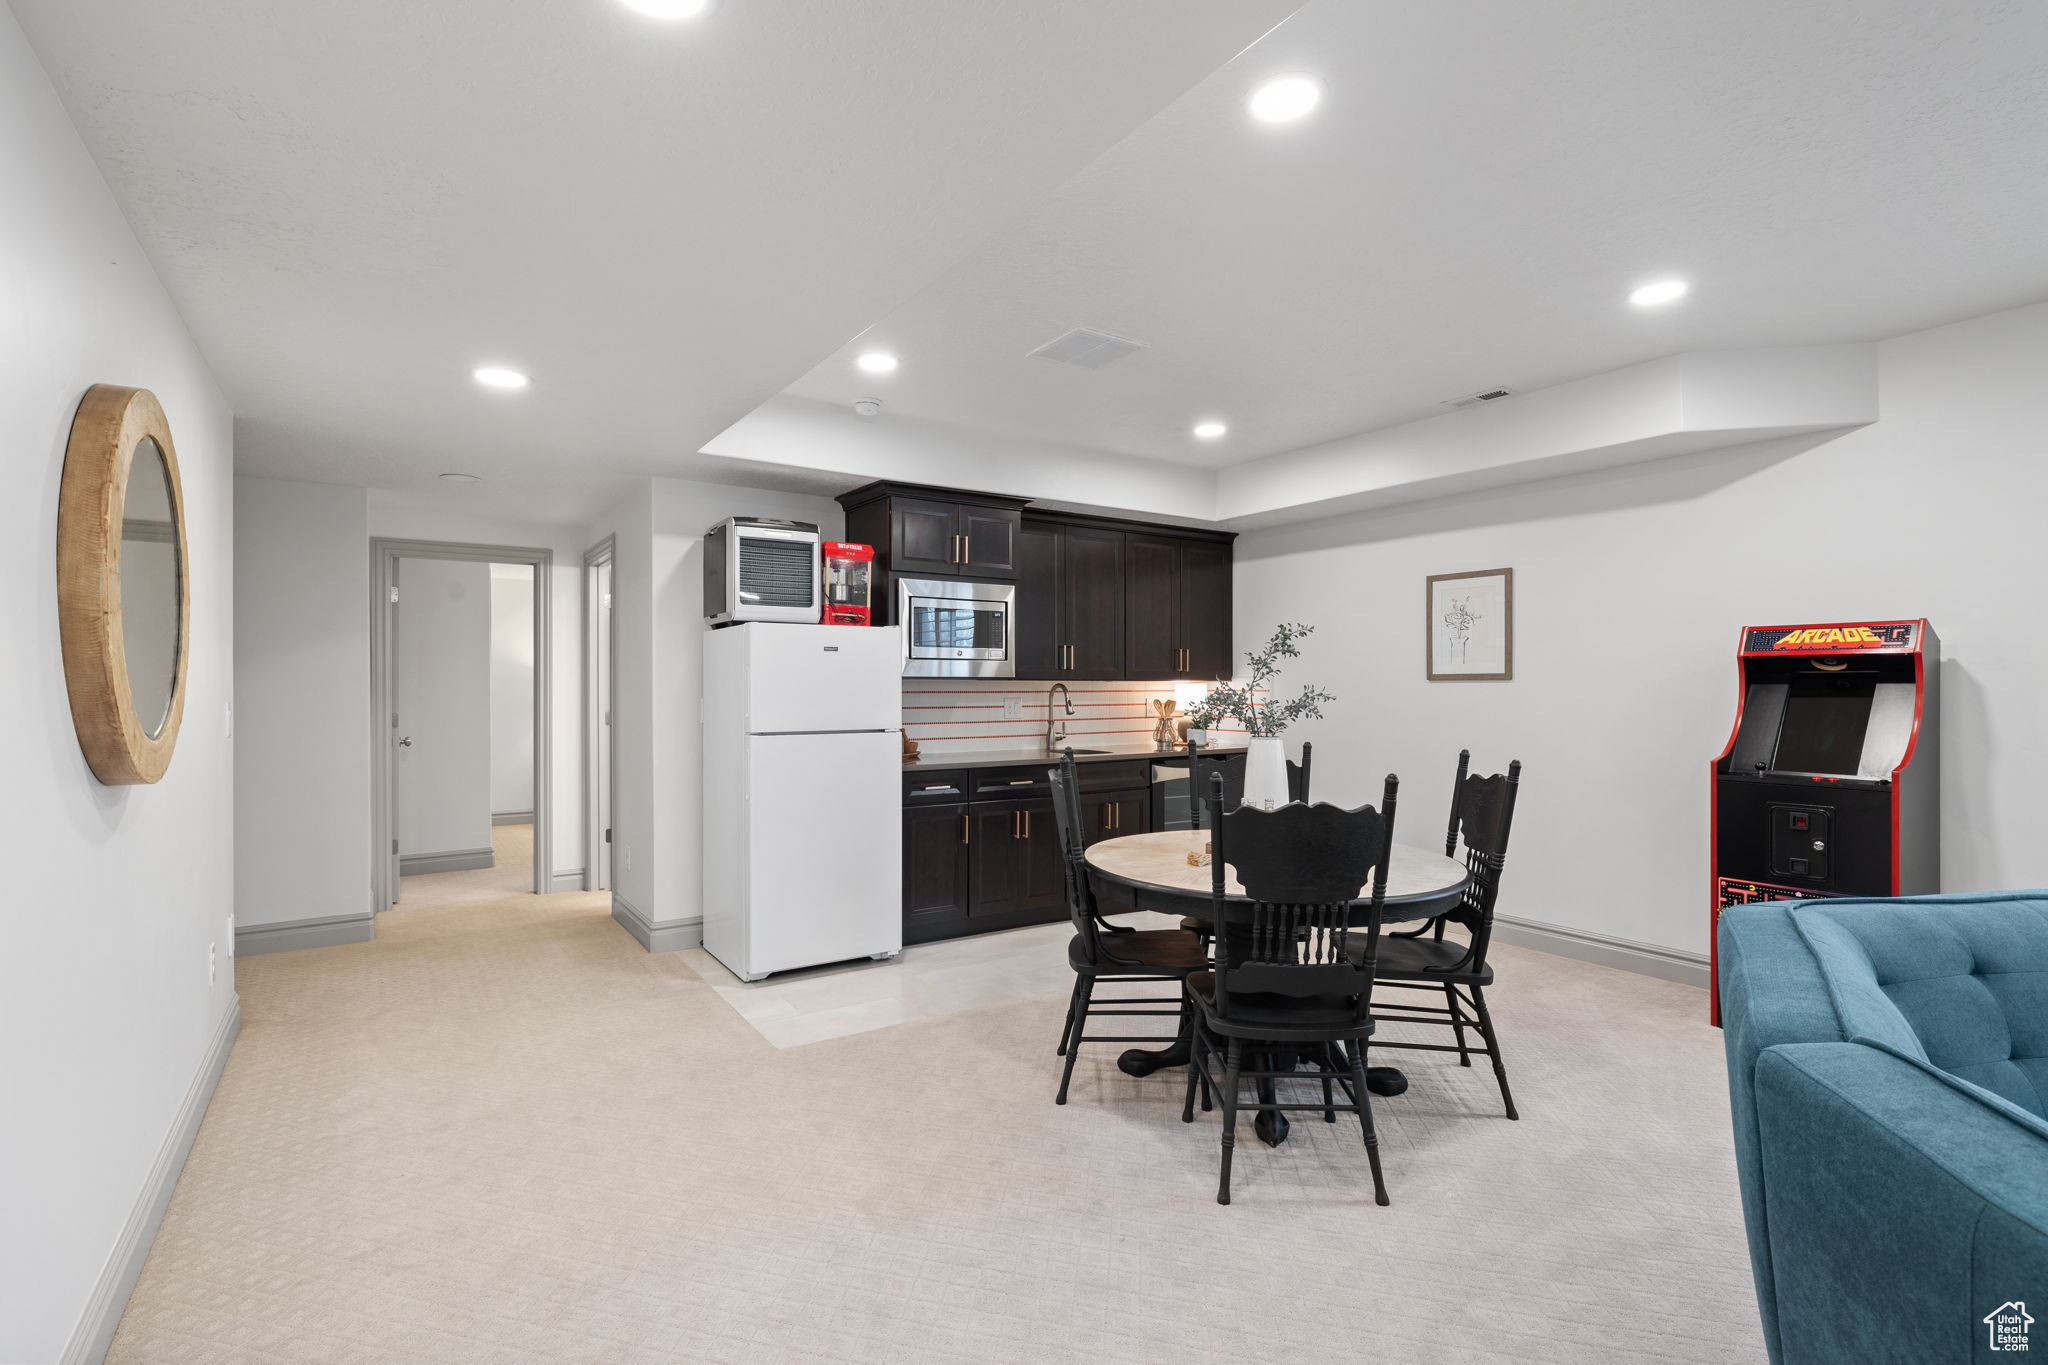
(1156, 872)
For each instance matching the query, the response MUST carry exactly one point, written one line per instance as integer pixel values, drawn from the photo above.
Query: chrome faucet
(1056, 730)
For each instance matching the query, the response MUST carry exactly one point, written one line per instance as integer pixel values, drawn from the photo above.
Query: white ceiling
(355, 204)
(1483, 184)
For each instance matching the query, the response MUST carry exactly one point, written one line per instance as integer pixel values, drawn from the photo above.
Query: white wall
(115, 893)
(394, 517)
(1631, 586)
(511, 689)
(302, 676)
(443, 704)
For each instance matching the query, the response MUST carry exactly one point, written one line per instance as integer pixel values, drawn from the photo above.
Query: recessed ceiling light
(492, 377)
(1663, 291)
(463, 478)
(669, 9)
(1285, 98)
(877, 362)
(1209, 431)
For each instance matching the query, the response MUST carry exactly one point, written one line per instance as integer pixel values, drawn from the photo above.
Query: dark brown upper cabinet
(1176, 607)
(1070, 602)
(932, 533)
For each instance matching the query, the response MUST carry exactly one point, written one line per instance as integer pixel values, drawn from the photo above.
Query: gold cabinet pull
(1027, 824)
(966, 828)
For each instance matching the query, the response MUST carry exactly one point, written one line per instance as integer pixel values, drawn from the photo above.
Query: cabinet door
(1205, 610)
(996, 854)
(926, 536)
(935, 847)
(1151, 608)
(1091, 596)
(988, 539)
(1130, 812)
(1016, 860)
(1038, 650)
(1041, 872)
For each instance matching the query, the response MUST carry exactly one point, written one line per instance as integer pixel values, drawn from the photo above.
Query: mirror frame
(110, 423)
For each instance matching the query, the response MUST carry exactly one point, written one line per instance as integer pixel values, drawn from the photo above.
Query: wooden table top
(1161, 860)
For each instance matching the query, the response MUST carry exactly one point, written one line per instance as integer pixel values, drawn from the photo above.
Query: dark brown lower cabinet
(1112, 815)
(1015, 862)
(936, 840)
(978, 865)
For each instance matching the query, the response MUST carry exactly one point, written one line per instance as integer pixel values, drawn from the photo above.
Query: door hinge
(394, 845)
(607, 836)
(394, 594)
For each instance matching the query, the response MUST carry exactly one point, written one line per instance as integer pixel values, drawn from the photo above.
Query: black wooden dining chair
(1297, 773)
(1482, 812)
(1292, 973)
(1101, 950)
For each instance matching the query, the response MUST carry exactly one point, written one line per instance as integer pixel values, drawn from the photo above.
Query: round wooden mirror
(122, 598)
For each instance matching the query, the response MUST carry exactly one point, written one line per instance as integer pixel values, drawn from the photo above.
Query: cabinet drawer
(1108, 777)
(1004, 783)
(934, 788)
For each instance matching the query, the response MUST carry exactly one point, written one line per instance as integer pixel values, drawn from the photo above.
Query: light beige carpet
(501, 1134)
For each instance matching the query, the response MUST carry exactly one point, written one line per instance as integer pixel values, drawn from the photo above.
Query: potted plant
(1216, 706)
(1265, 717)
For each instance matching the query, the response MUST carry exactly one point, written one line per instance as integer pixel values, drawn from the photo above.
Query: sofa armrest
(1901, 1209)
(1771, 993)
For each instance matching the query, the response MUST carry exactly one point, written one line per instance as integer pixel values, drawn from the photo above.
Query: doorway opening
(598, 765)
(459, 715)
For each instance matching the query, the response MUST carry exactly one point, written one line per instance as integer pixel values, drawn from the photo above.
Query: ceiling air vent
(1089, 349)
(1473, 400)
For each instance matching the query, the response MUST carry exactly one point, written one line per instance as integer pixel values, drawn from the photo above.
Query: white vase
(1198, 737)
(1265, 772)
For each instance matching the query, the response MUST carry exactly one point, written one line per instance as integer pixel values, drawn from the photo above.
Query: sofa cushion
(1964, 990)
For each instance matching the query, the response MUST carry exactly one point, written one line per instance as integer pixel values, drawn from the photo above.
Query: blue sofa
(1888, 1072)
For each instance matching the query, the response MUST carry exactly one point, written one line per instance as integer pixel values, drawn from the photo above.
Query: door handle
(1020, 782)
(405, 742)
(966, 828)
(1027, 824)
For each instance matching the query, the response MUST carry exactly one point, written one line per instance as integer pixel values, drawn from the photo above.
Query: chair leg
(1500, 1070)
(1195, 1064)
(1229, 1117)
(1372, 1140)
(1067, 1029)
(1457, 1023)
(1084, 988)
(1327, 1066)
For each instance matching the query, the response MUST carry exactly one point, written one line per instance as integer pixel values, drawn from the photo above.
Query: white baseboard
(572, 880)
(455, 860)
(1669, 964)
(511, 817)
(95, 1330)
(657, 938)
(304, 933)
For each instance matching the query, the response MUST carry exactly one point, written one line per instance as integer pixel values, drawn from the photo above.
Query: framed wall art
(1471, 625)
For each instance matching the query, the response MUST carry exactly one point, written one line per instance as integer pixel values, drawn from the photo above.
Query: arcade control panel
(1830, 781)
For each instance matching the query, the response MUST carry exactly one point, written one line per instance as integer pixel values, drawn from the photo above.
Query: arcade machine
(1831, 781)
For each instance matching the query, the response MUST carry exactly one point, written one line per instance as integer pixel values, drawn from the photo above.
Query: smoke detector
(866, 407)
(1086, 347)
(1473, 400)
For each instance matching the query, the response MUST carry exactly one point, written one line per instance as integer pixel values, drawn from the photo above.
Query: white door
(826, 864)
(812, 678)
(442, 745)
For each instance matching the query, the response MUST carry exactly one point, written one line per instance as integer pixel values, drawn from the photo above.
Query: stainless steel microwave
(956, 629)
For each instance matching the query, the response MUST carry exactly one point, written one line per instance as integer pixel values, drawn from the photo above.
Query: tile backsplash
(956, 714)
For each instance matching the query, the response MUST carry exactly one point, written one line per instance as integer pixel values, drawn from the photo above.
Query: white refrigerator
(802, 795)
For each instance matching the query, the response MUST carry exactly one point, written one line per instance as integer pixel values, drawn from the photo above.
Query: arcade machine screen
(1823, 728)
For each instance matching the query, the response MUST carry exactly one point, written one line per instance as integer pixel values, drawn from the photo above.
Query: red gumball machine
(849, 574)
